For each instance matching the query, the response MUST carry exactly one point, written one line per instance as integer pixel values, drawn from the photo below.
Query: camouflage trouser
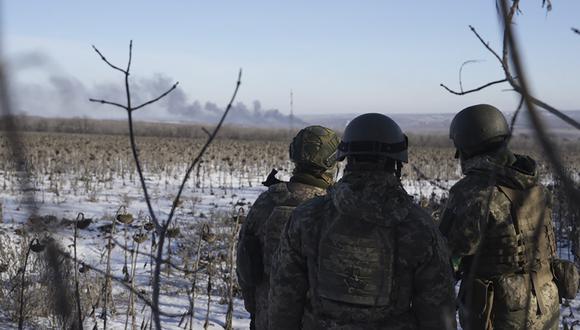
(516, 308)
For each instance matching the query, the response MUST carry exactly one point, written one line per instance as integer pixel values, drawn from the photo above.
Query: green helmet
(373, 134)
(476, 127)
(315, 147)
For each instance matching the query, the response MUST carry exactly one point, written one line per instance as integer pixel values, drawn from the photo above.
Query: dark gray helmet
(315, 147)
(373, 134)
(477, 126)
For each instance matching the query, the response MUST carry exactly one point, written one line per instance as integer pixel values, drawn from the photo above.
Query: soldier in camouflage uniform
(313, 151)
(363, 256)
(498, 222)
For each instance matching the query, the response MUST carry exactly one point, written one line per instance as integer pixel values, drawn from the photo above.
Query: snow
(218, 197)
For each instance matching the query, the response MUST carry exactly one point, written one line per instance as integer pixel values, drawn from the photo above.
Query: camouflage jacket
(465, 221)
(316, 284)
(471, 230)
(259, 238)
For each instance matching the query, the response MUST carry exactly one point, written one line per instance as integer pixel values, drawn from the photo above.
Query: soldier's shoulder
(311, 207)
(470, 183)
(263, 200)
(418, 225)
(470, 190)
(418, 236)
(278, 188)
(306, 215)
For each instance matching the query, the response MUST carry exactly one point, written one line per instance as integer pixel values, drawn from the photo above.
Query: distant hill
(439, 123)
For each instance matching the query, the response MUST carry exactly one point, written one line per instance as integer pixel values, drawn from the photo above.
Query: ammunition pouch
(566, 278)
(515, 291)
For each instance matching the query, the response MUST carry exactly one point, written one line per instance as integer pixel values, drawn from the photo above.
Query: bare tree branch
(515, 116)
(131, 132)
(157, 98)
(109, 103)
(511, 79)
(461, 70)
(127, 286)
(475, 89)
(422, 176)
(206, 131)
(486, 45)
(543, 138)
(161, 241)
(509, 19)
(107, 61)
(203, 149)
(569, 120)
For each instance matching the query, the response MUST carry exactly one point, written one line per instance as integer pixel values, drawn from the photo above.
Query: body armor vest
(527, 244)
(356, 262)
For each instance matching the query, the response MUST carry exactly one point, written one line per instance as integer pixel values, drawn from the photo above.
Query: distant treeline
(143, 128)
(521, 141)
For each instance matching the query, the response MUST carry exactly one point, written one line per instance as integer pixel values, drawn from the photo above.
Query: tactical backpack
(566, 278)
(356, 262)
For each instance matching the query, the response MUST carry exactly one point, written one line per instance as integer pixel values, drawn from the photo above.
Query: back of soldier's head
(477, 130)
(313, 149)
(373, 138)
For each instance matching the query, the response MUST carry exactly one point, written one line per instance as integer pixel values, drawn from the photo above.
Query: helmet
(478, 126)
(373, 134)
(314, 146)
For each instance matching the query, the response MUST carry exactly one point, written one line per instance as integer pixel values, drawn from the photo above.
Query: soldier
(313, 152)
(498, 222)
(363, 256)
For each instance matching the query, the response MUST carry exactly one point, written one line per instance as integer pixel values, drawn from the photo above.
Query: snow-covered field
(216, 202)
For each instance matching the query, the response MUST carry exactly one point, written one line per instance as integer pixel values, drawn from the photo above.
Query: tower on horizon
(291, 110)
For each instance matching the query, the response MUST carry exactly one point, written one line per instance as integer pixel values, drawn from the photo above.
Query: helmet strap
(398, 169)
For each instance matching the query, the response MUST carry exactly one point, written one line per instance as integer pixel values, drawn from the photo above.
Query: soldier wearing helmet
(313, 152)
(498, 222)
(363, 256)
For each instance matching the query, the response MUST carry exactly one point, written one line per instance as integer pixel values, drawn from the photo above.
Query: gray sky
(337, 56)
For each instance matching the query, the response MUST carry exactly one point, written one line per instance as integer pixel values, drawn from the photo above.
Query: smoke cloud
(63, 95)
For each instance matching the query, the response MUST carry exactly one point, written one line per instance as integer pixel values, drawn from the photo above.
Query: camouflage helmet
(373, 134)
(314, 146)
(478, 126)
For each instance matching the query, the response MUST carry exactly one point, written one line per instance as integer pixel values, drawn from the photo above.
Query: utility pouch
(251, 267)
(477, 303)
(515, 290)
(566, 278)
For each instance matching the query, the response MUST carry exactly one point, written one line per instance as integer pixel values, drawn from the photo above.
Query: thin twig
(109, 103)
(461, 71)
(486, 45)
(511, 79)
(206, 132)
(123, 283)
(564, 117)
(515, 116)
(157, 271)
(422, 176)
(157, 98)
(543, 138)
(475, 89)
(107, 61)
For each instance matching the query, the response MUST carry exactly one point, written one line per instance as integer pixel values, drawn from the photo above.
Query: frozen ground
(219, 195)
